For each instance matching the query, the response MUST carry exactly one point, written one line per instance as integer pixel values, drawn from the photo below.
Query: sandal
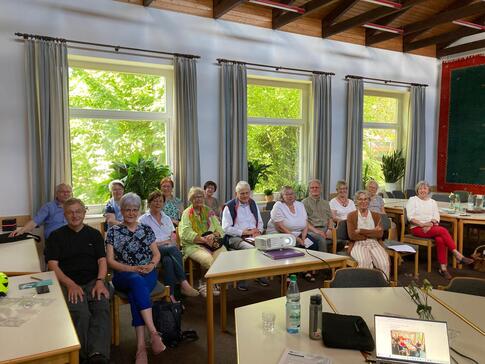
(309, 277)
(445, 274)
(465, 260)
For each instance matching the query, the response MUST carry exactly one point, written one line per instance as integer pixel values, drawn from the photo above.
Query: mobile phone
(42, 289)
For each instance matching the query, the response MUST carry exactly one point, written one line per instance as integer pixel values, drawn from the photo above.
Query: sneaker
(263, 282)
(216, 290)
(203, 290)
(445, 274)
(189, 292)
(466, 260)
(242, 286)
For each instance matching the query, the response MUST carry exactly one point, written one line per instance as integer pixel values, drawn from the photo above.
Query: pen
(36, 278)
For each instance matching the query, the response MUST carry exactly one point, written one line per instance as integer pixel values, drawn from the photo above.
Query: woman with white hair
(424, 217)
(112, 211)
(365, 230)
(341, 205)
(376, 202)
(132, 253)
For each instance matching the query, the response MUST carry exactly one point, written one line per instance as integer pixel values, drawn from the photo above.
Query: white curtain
(47, 116)
(322, 130)
(186, 145)
(233, 164)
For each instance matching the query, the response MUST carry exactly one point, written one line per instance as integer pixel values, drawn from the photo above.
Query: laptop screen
(411, 341)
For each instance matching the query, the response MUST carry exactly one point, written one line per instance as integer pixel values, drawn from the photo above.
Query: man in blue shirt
(51, 214)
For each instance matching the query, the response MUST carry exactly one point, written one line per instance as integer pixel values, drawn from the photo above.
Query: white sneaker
(203, 290)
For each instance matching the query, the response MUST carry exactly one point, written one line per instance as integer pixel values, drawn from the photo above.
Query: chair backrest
(269, 205)
(265, 216)
(342, 233)
(385, 222)
(389, 194)
(358, 277)
(463, 195)
(398, 194)
(440, 197)
(410, 193)
(468, 285)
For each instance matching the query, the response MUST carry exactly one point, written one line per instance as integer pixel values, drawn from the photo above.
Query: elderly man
(75, 252)
(51, 214)
(241, 220)
(319, 215)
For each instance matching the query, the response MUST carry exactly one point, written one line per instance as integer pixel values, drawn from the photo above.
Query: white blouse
(164, 230)
(341, 211)
(422, 210)
(295, 222)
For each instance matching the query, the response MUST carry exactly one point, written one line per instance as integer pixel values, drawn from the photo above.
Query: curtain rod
(385, 81)
(116, 48)
(277, 68)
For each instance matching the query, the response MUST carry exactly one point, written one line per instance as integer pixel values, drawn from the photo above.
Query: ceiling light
(274, 4)
(383, 28)
(388, 3)
(469, 24)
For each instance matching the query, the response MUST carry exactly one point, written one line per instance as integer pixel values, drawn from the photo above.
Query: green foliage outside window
(97, 143)
(274, 145)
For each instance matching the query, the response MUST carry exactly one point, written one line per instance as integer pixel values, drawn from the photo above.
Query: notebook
(405, 340)
(283, 253)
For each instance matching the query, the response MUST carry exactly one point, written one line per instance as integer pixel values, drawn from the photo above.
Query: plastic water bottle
(293, 308)
(471, 201)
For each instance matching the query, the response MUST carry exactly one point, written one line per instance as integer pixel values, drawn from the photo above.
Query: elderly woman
(200, 232)
(340, 205)
(376, 202)
(209, 188)
(173, 205)
(364, 229)
(162, 226)
(133, 254)
(289, 216)
(424, 217)
(112, 211)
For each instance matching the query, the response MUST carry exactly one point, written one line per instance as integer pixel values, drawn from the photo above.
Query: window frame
(302, 123)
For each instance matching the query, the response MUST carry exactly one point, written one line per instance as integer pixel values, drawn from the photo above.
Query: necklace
(345, 202)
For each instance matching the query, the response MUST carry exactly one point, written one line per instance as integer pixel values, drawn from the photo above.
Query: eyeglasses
(131, 210)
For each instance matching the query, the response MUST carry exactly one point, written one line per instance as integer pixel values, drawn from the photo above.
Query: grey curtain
(47, 117)
(233, 164)
(416, 141)
(322, 130)
(355, 110)
(186, 144)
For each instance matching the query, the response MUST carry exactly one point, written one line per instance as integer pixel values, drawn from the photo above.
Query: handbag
(346, 332)
(167, 317)
(479, 258)
(5, 238)
(217, 243)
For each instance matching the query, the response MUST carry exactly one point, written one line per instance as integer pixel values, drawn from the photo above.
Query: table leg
(283, 285)
(223, 297)
(74, 357)
(210, 323)
(460, 239)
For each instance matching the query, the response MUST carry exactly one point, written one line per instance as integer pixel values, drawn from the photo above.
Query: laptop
(406, 340)
(283, 253)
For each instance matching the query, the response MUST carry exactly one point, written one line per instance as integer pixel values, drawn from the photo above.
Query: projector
(274, 241)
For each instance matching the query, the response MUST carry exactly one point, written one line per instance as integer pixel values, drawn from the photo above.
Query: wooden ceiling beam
(278, 12)
(147, 2)
(441, 38)
(338, 11)
(289, 17)
(366, 17)
(461, 48)
(221, 7)
(423, 25)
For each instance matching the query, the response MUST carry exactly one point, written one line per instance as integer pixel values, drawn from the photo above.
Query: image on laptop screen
(407, 340)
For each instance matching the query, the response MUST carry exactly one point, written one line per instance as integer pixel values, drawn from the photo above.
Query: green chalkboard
(466, 129)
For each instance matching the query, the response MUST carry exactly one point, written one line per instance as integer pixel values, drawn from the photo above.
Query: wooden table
(49, 337)
(256, 347)
(367, 302)
(20, 257)
(251, 264)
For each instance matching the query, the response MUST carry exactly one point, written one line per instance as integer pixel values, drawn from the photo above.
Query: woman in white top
(341, 205)
(289, 216)
(424, 217)
(172, 262)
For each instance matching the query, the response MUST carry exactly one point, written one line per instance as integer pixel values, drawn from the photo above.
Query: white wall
(107, 21)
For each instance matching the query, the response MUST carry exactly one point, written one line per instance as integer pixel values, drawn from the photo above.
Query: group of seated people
(134, 244)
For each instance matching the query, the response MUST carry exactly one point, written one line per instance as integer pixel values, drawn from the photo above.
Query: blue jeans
(173, 266)
(138, 287)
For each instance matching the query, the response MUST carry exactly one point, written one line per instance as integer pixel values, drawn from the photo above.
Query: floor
(194, 317)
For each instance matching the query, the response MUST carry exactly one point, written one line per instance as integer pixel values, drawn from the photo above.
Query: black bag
(167, 317)
(4, 238)
(346, 332)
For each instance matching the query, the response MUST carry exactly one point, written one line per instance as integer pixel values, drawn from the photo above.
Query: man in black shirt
(76, 253)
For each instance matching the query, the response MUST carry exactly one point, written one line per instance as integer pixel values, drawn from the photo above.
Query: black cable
(314, 256)
(463, 355)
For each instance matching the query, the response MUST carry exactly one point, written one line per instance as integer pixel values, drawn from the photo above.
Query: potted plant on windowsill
(268, 195)
(257, 172)
(141, 175)
(393, 168)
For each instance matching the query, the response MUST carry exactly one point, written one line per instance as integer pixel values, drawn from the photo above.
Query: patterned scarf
(200, 222)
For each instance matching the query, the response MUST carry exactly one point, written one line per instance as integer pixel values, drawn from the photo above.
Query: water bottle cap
(316, 299)
(293, 278)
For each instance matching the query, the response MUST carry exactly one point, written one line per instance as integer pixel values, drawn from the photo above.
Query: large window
(277, 117)
(383, 115)
(116, 110)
